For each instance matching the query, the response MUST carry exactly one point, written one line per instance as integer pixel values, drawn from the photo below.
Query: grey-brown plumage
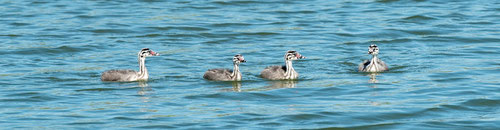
(374, 64)
(218, 74)
(283, 72)
(118, 75)
(275, 72)
(226, 74)
(131, 75)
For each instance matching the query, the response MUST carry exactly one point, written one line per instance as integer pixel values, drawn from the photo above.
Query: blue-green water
(443, 56)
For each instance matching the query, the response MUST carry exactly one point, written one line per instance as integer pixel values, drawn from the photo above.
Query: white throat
(373, 66)
(143, 71)
(236, 75)
(290, 72)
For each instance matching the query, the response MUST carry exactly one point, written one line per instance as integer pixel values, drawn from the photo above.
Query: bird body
(226, 74)
(278, 72)
(122, 75)
(374, 64)
(131, 75)
(285, 72)
(220, 75)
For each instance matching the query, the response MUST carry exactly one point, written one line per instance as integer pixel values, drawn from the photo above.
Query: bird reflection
(373, 78)
(282, 84)
(144, 91)
(143, 84)
(236, 86)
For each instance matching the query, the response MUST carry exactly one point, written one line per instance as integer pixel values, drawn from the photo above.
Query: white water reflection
(145, 91)
(282, 84)
(236, 86)
(373, 78)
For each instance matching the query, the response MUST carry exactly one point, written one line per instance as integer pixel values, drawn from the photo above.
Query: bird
(285, 72)
(375, 64)
(221, 74)
(131, 75)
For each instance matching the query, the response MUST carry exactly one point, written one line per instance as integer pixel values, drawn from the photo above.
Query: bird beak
(154, 53)
(300, 56)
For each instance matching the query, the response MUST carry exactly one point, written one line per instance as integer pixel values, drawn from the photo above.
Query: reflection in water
(373, 78)
(236, 86)
(143, 84)
(144, 91)
(282, 84)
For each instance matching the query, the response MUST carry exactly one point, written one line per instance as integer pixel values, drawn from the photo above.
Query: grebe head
(293, 55)
(238, 58)
(373, 49)
(146, 52)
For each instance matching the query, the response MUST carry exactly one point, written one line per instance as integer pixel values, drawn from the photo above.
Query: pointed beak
(154, 53)
(242, 59)
(300, 56)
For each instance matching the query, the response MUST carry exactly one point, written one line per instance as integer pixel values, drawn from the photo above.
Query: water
(443, 57)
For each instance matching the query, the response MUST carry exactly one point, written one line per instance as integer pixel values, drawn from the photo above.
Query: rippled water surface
(443, 58)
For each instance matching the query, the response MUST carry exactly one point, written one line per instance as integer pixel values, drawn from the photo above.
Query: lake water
(443, 57)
